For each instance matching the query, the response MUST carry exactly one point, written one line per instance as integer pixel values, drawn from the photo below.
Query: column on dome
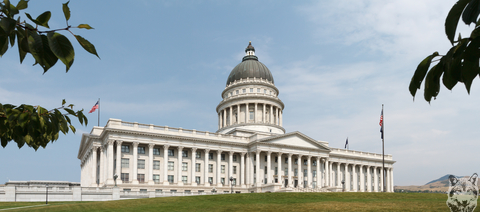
(231, 115)
(135, 163)
(219, 159)
(269, 168)
(309, 172)
(242, 169)
(281, 118)
(279, 174)
(165, 164)
(263, 113)
(94, 166)
(271, 116)
(230, 168)
(205, 180)
(224, 117)
(369, 179)
(276, 116)
(179, 165)
(119, 162)
(220, 120)
(255, 114)
(149, 176)
(290, 171)
(193, 167)
(246, 113)
(237, 119)
(110, 162)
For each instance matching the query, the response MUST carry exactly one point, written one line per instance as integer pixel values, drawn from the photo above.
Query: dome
(250, 67)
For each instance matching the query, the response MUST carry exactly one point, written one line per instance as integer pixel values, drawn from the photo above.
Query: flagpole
(99, 112)
(383, 149)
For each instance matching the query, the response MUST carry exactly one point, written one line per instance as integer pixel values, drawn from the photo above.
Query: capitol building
(250, 151)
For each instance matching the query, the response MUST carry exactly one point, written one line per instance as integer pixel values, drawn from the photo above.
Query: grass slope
(266, 202)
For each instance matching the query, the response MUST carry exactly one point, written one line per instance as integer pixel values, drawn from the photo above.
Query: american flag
(95, 107)
(381, 124)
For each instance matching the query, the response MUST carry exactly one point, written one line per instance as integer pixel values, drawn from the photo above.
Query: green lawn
(261, 202)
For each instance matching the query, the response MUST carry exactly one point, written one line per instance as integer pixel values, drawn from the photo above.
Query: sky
(335, 62)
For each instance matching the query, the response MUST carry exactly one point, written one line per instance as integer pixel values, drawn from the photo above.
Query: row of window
(171, 166)
(244, 90)
(125, 177)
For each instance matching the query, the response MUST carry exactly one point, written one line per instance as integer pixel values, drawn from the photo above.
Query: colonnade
(360, 177)
(232, 114)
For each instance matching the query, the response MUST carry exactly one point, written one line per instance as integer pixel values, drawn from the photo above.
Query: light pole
(231, 183)
(115, 179)
(343, 185)
(46, 197)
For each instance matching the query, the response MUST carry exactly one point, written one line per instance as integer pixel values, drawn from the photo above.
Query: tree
(35, 125)
(461, 63)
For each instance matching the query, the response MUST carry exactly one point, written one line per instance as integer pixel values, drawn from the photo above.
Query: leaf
(49, 57)
(3, 42)
(66, 10)
(453, 17)
(63, 102)
(22, 45)
(33, 20)
(73, 128)
(85, 26)
(420, 73)
(44, 18)
(432, 82)
(22, 4)
(7, 25)
(89, 47)
(471, 12)
(453, 66)
(470, 67)
(61, 47)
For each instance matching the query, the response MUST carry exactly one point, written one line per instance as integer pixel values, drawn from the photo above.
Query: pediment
(295, 139)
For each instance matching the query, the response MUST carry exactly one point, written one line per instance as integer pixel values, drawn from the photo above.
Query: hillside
(439, 185)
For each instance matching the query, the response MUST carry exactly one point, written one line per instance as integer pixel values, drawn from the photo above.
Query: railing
(359, 153)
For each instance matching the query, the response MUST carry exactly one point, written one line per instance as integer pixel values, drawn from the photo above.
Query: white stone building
(250, 152)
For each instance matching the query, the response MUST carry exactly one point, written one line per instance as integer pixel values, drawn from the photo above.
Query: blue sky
(334, 62)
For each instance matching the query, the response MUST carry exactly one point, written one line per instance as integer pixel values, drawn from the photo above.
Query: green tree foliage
(35, 125)
(461, 63)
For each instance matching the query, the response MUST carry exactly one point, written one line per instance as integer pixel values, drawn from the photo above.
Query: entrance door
(286, 183)
(295, 183)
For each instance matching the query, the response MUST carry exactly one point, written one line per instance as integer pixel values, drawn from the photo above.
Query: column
(219, 120)
(100, 175)
(179, 165)
(205, 180)
(257, 163)
(276, 115)
(338, 176)
(281, 118)
(219, 159)
(224, 117)
(355, 178)
(230, 168)
(309, 172)
(242, 169)
(263, 114)
(94, 160)
(165, 164)
(375, 179)
(246, 113)
(135, 163)
(238, 114)
(271, 115)
(119, 161)
(104, 164)
(362, 179)
(300, 176)
(290, 170)
(110, 162)
(382, 188)
(391, 180)
(269, 168)
(149, 176)
(255, 115)
(369, 180)
(280, 171)
(248, 171)
(193, 167)
(231, 112)
(387, 180)
(327, 172)
(347, 177)
(319, 173)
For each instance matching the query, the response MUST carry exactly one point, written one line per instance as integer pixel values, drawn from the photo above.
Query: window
(141, 150)
(264, 91)
(270, 92)
(210, 156)
(125, 149)
(254, 158)
(251, 90)
(223, 169)
(258, 90)
(244, 90)
(286, 172)
(237, 91)
(305, 162)
(184, 179)
(184, 166)
(276, 159)
(198, 155)
(314, 163)
(127, 190)
(170, 152)
(197, 180)
(222, 180)
(296, 161)
(295, 172)
(265, 158)
(156, 151)
(170, 178)
(125, 163)
(210, 180)
(231, 93)
(156, 165)
(185, 153)
(141, 178)
(143, 190)
(210, 168)
(286, 160)
(251, 115)
(276, 171)
(305, 173)
(234, 170)
(254, 169)
(234, 157)
(265, 170)
(314, 173)
(141, 164)
(158, 190)
(124, 177)
(222, 156)
(171, 165)
(197, 167)
(156, 178)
